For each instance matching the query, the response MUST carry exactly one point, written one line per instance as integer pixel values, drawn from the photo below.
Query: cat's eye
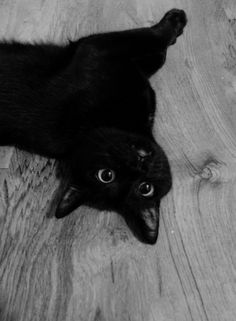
(146, 189)
(106, 175)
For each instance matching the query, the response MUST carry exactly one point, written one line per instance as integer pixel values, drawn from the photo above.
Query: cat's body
(90, 104)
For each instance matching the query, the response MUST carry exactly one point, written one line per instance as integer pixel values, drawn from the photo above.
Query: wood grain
(88, 266)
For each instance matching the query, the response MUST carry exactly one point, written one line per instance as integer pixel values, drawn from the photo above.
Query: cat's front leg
(138, 42)
(146, 46)
(165, 34)
(170, 27)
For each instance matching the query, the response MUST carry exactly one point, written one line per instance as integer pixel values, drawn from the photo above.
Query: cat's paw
(177, 19)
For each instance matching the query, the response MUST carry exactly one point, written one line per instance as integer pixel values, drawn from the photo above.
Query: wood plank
(88, 266)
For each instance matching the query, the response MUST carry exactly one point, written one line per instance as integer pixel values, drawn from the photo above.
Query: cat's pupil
(146, 189)
(106, 175)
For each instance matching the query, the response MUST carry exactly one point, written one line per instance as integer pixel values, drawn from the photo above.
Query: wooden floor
(88, 266)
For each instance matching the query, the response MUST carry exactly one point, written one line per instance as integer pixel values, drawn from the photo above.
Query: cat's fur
(90, 104)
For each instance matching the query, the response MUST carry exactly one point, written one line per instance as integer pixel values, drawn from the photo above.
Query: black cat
(90, 104)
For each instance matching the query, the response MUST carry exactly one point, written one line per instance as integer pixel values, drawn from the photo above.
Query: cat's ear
(71, 199)
(144, 223)
(149, 225)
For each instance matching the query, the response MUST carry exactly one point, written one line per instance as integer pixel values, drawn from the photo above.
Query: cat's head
(122, 172)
